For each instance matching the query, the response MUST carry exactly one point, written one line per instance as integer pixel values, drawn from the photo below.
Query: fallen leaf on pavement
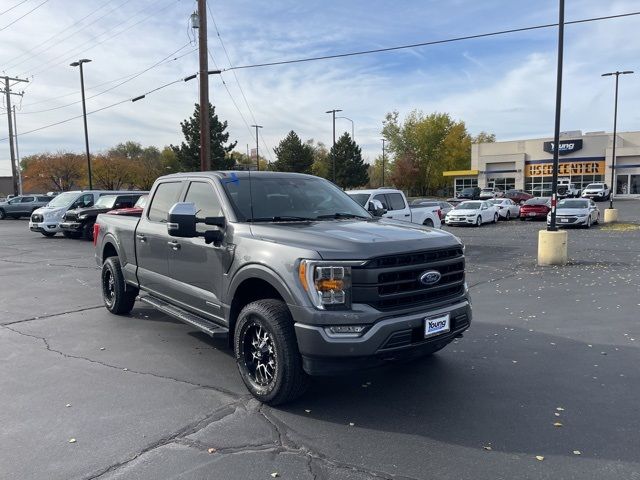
(577, 452)
(539, 457)
(275, 474)
(72, 440)
(557, 424)
(211, 450)
(487, 447)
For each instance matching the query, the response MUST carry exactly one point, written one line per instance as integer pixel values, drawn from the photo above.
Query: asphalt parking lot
(147, 397)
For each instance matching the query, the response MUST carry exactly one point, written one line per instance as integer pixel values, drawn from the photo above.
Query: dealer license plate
(436, 325)
(532, 214)
(564, 220)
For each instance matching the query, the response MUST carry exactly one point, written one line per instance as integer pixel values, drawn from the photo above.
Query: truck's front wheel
(117, 297)
(267, 352)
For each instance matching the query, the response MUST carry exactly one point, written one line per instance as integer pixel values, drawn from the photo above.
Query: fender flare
(109, 238)
(256, 270)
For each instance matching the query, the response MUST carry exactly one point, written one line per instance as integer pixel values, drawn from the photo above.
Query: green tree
(484, 137)
(292, 155)
(321, 166)
(188, 153)
(375, 172)
(427, 145)
(242, 161)
(351, 171)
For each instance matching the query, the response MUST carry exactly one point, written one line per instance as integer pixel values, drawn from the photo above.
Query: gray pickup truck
(299, 278)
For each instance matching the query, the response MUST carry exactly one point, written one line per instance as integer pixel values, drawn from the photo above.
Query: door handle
(174, 245)
(141, 237)
(407, 214)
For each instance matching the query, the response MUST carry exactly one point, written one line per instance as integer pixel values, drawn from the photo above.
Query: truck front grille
(393, 282)
(70, 217)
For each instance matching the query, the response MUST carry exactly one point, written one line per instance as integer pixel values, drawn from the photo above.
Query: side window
(163, 199)
(206, 200)
(124, 202)
(383, 199)
(396, 201)
(44, 199)
(27, 199)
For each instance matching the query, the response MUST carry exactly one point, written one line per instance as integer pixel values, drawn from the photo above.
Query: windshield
(290, 199)
(573, 204)
(360, 198)
(496, 202)
(64, 199)
(468, 190)
(142, 201)
(469, 206)
(596, 186)
(537, 201)
(106, 201)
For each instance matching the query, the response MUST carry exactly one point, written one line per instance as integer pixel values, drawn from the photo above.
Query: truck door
(395, 205)
(152, 240)
(195, 268)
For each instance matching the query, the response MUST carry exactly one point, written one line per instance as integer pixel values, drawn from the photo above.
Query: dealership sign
(565, 168)
(566, 146)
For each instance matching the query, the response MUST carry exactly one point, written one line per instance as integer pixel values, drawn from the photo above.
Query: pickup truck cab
(299, 278)
(397, 207)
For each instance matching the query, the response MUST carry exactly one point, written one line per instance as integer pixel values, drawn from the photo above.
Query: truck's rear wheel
(117, 297)
(68, 234)
(428, 223)
(267, 352)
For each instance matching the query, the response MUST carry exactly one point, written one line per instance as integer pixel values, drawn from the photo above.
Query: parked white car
(488, 193)
(597, 191)
(474, 212)
(396, 206)
(507, 208)
(572, 212)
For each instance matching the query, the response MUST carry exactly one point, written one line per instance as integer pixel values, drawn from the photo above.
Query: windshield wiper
(281, 218)
(341, 215)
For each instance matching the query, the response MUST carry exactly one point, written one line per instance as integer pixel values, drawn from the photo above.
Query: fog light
(345, 330)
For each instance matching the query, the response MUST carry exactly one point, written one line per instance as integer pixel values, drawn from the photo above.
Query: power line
(128, 79)
(22, 16)
(80, 49)
(433, 42)
(11, 8)
(10, 65)
(215, 25)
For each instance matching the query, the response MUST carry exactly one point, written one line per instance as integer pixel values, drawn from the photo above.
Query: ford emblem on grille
(430, 277)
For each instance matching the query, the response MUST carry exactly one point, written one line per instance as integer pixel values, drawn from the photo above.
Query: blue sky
(504, 85)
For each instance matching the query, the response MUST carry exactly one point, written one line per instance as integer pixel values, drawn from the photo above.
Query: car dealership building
(528, 164)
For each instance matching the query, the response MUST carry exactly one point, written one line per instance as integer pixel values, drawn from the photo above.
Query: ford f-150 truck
(298, 277)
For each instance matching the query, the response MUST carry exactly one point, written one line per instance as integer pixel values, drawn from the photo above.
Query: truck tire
(48, 234)
(117, 297)
(2, 214)
(267, 353)
(87, 231)
(428, 223)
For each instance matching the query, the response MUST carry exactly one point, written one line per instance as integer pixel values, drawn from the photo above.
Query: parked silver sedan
(576, 212)
(507, 208)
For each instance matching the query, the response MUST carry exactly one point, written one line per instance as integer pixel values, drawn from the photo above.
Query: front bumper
(388, 339)
(460, 221)
(44, 226)
(569, 221)
(71, 226)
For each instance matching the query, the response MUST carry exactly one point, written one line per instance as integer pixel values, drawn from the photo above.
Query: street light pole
(352, 132)
(257, 156)
(556, 134)
(79, 63)
(383, 140)
(15, 134)
(615, 125)
(333, 112)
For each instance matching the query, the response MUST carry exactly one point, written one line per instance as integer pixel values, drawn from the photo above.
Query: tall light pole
(79, 63)
(556, 134)
(257, 156)
(352, 131)
(333, 112)
(615, 125)
(383, 140)
(15, 135)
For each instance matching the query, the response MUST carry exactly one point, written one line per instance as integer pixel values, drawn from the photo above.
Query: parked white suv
(596, 191)
(396, 206)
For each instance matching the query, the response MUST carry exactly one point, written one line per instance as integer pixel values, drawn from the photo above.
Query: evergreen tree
(292, 155)
(351, 171)
(188, 153)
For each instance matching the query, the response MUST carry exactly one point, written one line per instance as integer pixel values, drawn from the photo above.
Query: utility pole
(8, 93)
(205, 129)
(257, 156)
(383, 140)
(79, 63)
(15, 135)
(615, 126)
(333, 113)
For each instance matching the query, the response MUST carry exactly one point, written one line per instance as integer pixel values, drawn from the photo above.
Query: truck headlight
(328, 284)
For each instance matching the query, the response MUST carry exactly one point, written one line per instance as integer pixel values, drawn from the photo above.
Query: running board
(206, 326)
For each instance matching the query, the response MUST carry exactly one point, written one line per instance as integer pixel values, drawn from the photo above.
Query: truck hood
(355, 239)
(51, 213)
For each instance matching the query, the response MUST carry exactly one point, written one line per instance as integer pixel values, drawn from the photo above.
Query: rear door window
(396, 202)
(27, 199)
(206, 201)
(382, 199)
(165, 196)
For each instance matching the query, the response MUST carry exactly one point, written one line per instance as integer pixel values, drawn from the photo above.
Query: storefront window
(461, 183)
(543, 184)
(627, 184)
(503, 184)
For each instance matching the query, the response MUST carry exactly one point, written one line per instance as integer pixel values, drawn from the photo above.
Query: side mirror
(181, 220)
(376, 208)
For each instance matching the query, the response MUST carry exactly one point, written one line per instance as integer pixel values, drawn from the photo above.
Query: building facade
(528, 164)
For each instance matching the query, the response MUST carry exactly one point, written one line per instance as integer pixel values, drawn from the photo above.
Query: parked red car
(536, 207)
(135, 211)
(518, 196)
